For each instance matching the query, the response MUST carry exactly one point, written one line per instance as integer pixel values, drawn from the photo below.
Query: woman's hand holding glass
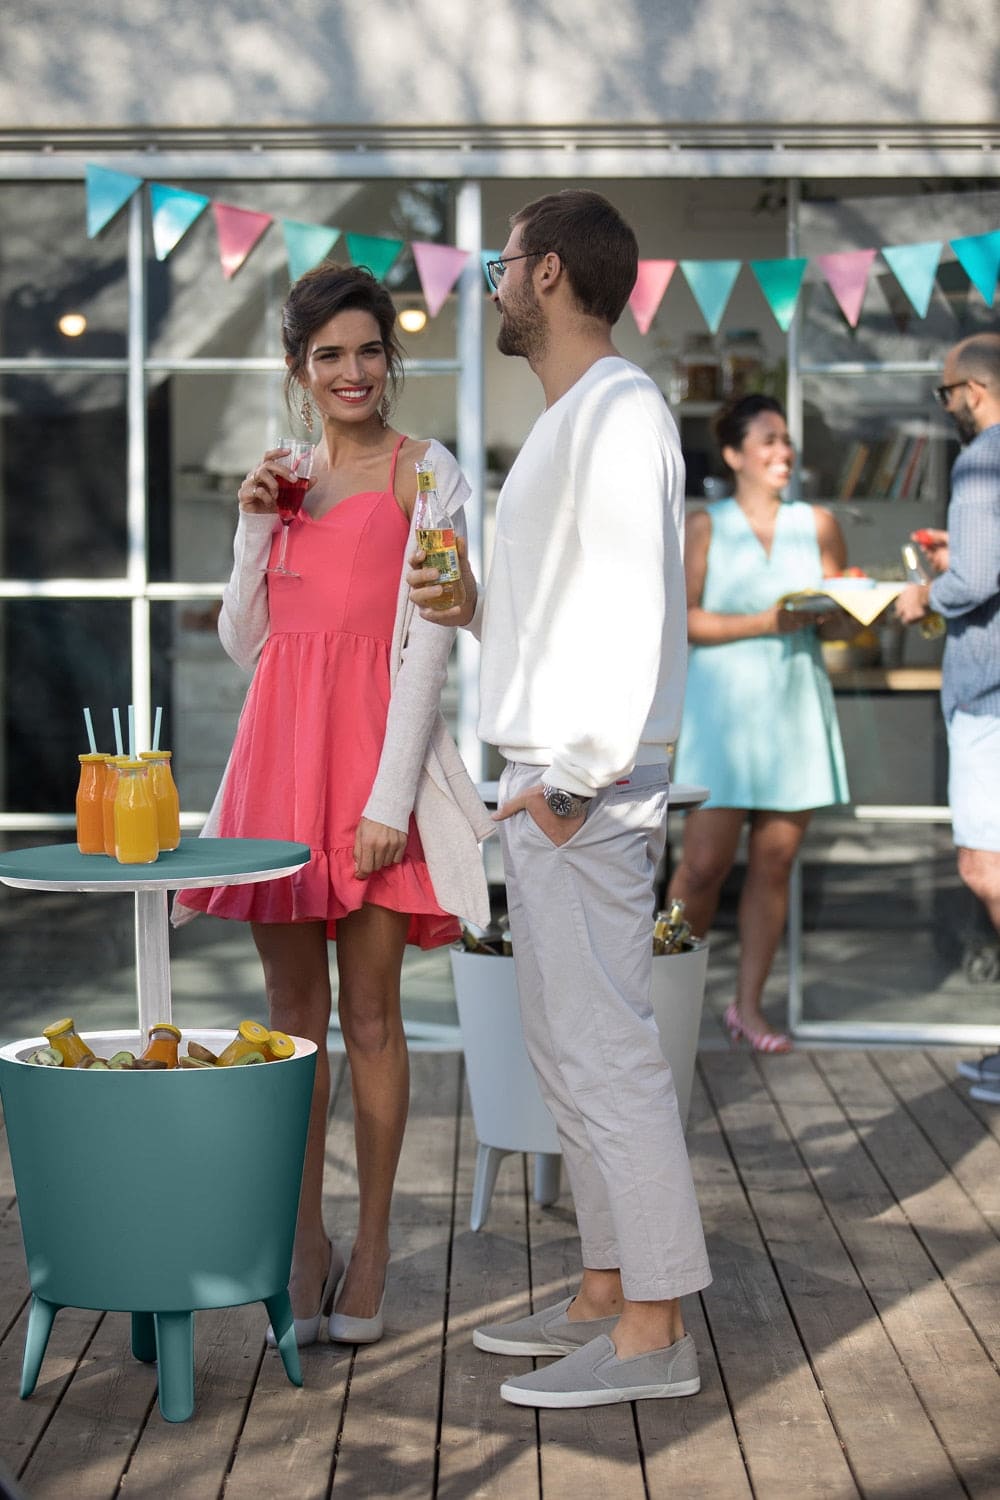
(278, 485)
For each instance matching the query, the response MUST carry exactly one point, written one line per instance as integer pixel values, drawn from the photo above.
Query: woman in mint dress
(759, 727)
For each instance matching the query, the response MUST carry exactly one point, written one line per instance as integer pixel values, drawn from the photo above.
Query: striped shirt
(967, 594)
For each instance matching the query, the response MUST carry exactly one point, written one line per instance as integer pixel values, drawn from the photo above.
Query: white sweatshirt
(584, 617)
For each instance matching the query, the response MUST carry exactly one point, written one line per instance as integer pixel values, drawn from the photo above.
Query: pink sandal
(758, 1041)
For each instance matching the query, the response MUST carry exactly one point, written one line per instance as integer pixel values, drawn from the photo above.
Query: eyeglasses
(942, 392)
(496, 268)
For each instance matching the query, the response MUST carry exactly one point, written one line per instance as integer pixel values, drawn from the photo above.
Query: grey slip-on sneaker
(594, 1376)
(546, 1332)
(986, 1093)
(985, 1070)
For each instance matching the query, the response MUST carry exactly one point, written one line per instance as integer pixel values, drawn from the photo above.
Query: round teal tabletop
(195, 862)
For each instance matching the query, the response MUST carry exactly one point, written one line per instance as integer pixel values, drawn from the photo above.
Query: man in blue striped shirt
(966, 592)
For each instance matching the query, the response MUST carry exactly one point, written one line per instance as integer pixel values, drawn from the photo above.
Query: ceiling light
(413, 320)
(72, 324)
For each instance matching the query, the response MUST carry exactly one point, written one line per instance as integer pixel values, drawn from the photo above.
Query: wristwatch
(563, 804)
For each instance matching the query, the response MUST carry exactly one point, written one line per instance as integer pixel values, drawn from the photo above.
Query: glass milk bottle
(108, 808)
(165, 799)
(90, 804)
(436, 538)
(136, 841)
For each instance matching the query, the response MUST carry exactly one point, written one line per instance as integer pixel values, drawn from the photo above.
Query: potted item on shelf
(742, 363)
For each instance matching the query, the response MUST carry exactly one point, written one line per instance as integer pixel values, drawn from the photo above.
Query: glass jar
(136, 841)
(108, 809)
(700, 372)
(162, 1044)
(742, 363)
(251, 1037)
(90, 804)
(62, 1036)
(165, 799)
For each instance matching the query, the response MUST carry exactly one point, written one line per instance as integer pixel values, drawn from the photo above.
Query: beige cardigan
(420, 769)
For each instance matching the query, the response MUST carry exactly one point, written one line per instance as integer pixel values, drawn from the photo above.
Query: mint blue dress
(760, 727)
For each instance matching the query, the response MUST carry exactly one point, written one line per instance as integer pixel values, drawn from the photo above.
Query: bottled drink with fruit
(932, 624)
(436, 538)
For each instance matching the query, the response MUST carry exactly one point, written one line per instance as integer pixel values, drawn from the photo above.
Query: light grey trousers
(581, 921)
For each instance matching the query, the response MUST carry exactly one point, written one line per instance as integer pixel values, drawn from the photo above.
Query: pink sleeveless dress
(311, 730)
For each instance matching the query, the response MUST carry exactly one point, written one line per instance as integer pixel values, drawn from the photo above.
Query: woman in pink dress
(341, 746)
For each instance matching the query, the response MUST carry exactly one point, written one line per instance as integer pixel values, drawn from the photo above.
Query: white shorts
(974, 780)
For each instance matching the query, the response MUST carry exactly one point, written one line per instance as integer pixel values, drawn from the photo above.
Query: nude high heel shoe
(307, 1329)
(343, 1329)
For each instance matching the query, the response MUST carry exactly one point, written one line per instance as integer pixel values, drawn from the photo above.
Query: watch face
(563, 804)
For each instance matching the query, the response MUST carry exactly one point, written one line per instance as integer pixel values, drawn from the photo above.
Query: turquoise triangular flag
(711, 281)
(306, 245)
(107, 192)
(979, 255)
(781, 282)
(914, 267)
(174, 211)
(373, 251)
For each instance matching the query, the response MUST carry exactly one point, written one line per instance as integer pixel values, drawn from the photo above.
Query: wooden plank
(390, 1425)
(951, 1374)
(784, 1427)
(957, 1238)
(486, 1446)
(23, 1422)
(689, 1446)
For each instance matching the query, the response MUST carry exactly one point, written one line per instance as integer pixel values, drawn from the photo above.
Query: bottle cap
(124, 764)
(59, 1027)
(166, 1026)
(155, 754)
(92, 756)
(280, 1045)
(253, 1031)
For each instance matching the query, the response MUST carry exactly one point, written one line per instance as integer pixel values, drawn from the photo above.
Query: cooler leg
(488, 1159)
(548, 1172)
(175, 1356)
(144, 1337)
(40, 1320)
(279, 1311)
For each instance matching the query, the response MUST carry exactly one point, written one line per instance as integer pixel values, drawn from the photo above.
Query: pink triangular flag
(647, 294)
(439, 267)
(239, 230)
(847, 273)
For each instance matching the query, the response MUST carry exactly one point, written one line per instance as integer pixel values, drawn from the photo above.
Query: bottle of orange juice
(136, 841)
(251, 1039)
(90, 804)
(161, 785)
(278, 1046)
(64, 1039)
(162, 1044)
(108, 805)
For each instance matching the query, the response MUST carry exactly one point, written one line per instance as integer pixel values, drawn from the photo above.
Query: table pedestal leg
(175, 1360)
(152, 959)
(40, 1320)
(279, 1311)
(144, 1337)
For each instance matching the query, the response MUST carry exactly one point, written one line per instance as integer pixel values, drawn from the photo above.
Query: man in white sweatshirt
(582, 624)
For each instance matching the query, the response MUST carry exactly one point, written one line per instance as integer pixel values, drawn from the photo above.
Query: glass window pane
(194, 312)
(57, 655)
(62, 438)
(48, 268)
(201, 693)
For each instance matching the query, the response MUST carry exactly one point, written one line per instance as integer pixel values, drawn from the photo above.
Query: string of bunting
(174, 210)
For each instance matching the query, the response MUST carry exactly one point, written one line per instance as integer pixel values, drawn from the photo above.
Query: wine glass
(291, 493)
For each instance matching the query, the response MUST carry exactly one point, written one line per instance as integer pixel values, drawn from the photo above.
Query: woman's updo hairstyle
(732, 423)
(317, 297)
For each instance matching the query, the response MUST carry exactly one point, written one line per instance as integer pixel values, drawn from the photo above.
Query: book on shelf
(911, 469)
(890, 460)
(854, 467)
(892, 469)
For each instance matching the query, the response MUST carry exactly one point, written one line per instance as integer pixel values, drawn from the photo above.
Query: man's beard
(965, 422)
(522, 328)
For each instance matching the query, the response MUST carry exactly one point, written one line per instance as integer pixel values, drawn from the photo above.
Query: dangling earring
(384, 410)
(306, 412)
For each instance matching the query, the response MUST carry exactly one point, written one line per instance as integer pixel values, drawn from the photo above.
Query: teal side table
(157, 1193)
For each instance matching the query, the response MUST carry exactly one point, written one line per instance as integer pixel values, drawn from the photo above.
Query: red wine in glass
(291, 493)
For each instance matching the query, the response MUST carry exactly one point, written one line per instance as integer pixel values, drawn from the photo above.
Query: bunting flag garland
(306, 245)
(711, 281)
(647, 294)
(781, 282)
(979, 257)
(439, 267)
(915, 267)
(239, 230)
(373, 251)
(847, 273)
(174, 211)
(107, 192)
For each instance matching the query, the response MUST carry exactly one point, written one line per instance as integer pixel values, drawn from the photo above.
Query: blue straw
(90, 730)
(118, 731)
(131, 732)
(156, 729)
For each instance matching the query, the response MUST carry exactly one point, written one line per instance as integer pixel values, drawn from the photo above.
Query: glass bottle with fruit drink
(298, 458)
(136, 840)
(436, 538)
(932, 624)
(90, 804)
(165, 799)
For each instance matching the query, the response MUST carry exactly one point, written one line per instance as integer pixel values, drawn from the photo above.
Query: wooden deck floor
(849, 1343)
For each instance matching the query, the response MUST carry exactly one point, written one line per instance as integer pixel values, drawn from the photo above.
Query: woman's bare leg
(775, 838)
(296, 962)
(370, 945)
(711, 837)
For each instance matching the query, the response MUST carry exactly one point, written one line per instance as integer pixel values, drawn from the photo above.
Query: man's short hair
(978, 358)
(598, 249)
